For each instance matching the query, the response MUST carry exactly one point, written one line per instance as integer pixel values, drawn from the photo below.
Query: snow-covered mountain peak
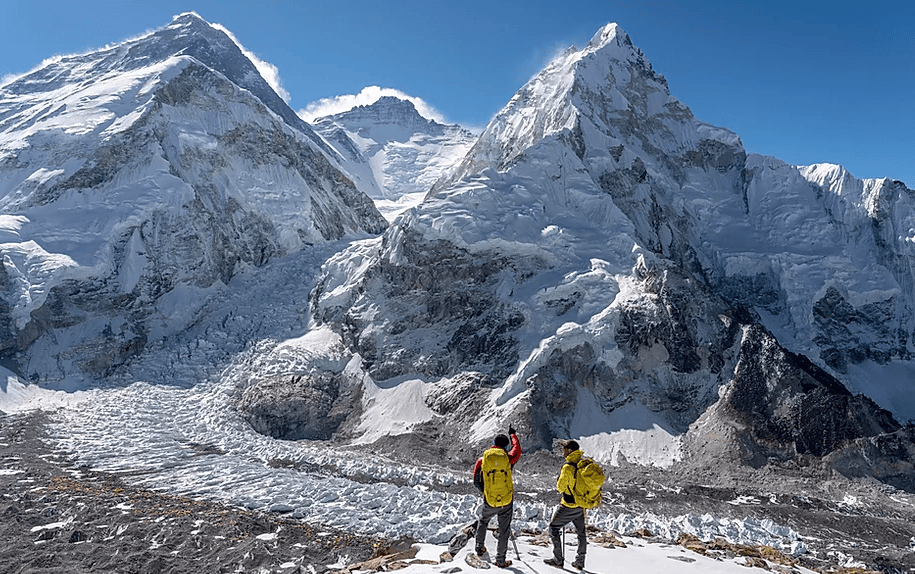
(190, 34)
(216, 48)
(392, 152)
(613, 38)
(614, 264)
(832, 176)
(609, 33)
(189, 167)
(187, 35)
(189, 20)
(611, 50)
(609, 87)
(387, 109)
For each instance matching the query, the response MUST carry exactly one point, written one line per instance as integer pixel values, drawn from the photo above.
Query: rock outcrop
(602, 264)
(180, 168)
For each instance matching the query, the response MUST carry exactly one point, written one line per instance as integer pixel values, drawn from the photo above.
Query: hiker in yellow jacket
(569, 510)
(492, 474)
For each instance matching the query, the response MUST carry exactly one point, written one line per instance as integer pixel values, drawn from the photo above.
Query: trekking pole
(563, 547)
(515, 544)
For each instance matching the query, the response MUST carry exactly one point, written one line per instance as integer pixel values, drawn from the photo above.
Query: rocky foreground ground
(55, 518)
(58, 519)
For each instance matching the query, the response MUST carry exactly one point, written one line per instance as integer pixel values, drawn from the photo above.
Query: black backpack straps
(574, 469)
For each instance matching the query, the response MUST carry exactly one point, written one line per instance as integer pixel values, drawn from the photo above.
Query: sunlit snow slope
(135, 179)
(604, 265)
(394, 153)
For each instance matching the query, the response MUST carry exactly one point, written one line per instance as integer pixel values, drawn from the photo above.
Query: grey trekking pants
(563, 516)
(505, 522)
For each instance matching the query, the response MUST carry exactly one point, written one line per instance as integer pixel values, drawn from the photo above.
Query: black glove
(511, 429)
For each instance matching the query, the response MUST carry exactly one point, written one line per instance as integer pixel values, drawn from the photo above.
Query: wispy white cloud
(368, 96)
(268, 71)
(9, 78)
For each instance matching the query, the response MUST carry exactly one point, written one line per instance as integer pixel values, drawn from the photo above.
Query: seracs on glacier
(146, 174)
(600, 264)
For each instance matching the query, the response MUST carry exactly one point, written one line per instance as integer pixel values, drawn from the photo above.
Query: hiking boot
(503, 563)
(481, 552)
(579, 564)
(553, 562)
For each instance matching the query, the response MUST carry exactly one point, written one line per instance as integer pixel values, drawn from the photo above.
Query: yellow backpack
(497, 477)
(589, 478)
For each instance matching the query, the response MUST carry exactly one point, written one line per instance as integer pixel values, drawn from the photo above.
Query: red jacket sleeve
(515, 453)
(478, 474)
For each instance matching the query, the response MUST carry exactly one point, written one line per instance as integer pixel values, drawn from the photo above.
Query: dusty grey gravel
(58, 519)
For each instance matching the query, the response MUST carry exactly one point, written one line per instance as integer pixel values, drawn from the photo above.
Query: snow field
(639, 555)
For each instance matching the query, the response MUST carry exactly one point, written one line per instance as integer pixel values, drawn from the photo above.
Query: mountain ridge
(608, 253)
(185, 177)
(393, 152)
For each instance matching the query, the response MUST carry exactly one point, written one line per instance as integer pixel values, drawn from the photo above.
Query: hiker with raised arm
(492, 474)
(579, 483)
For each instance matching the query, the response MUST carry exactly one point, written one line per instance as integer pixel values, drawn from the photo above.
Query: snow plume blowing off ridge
(268, 71)
(614, 265)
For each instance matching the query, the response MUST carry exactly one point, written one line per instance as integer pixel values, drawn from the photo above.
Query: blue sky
(806, 82)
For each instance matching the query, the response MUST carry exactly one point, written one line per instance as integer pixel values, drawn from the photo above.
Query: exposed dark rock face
(303, 406)
(758, 291)
(432, 310)
(849, 335)
(554, 391)
(712, 154)
(460, 399)
(790, 407)
(9, 335)
(887, 457)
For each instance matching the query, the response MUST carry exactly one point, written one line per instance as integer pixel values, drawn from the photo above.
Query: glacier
(138, 172)
(221, 300)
